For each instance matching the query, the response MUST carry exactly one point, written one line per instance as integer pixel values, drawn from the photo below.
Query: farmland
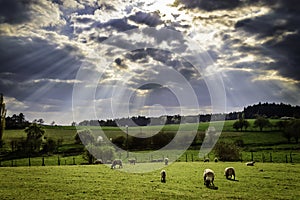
(184, 181)
(266, 146)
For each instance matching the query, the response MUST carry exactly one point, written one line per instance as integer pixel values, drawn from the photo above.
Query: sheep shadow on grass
(229, 179)
(212, 187)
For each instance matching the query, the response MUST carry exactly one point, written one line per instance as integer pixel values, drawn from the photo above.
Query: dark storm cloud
(150, 86)
(14, 11)
(29, 65)
(211, 5)
(150, 19)
(282, 28)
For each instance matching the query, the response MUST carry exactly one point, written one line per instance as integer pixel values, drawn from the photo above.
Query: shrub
(93, 152)
(84, 137)
(227, 151)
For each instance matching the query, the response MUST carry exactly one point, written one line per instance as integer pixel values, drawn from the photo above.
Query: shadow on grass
(212, 187)
(232, 180)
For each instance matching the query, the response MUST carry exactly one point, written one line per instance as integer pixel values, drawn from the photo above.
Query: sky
(70, 60)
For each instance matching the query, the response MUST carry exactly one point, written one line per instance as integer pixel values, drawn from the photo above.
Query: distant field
(266, 146)
(184, 181)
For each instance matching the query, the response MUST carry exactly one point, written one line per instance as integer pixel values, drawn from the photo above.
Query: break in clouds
(254, 46)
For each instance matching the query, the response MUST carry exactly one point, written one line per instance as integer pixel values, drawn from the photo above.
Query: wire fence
(193, 156)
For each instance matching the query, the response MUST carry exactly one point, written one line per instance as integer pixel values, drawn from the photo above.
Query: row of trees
(290, 128)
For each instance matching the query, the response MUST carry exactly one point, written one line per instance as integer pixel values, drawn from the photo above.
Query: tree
(35, 135)
(261, 122)
(241, 123)
(73, 124)
(237, 125)
(2, 118)
(40, 121)
(84, 137)
(292, 130)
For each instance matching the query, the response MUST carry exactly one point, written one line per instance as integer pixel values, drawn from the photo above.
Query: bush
(84, 137)
(227, 151)
(104, 153)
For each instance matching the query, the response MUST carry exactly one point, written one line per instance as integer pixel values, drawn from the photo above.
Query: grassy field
(184, 181)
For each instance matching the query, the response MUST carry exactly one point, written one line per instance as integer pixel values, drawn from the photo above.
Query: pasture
(184, 181)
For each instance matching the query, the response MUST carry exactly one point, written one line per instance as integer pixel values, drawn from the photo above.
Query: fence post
(58, 161)
(29, 163)
(271, 157)
(43, 161)
(186, 159)
(291, 159)
(286, 158)
(12, 163)
(192, 158)
(73, 161)
(241, 155)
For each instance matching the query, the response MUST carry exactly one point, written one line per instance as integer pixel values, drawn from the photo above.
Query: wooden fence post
(271, 157)
(29, 163)
(43, 161)
(186, 159)
(251, 156)
(286, 158)
(291, 159)
(73, 161)
(58, 161)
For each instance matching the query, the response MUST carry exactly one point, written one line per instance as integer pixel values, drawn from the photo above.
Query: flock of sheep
(208, 174)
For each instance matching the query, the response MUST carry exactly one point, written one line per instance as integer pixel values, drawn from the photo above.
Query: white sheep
(206, 160)
(116, 162)
(163, 175)
(166, 161)
(208, 176)
(250, 163)
(229, 173)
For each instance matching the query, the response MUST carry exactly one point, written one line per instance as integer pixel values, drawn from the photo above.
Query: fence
(189, 156)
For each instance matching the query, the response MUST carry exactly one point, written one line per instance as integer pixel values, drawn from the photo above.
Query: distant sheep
(216, 159)
(229, 173)
(208, 176)
(116, 162)
(132, 161)
(206, 160)
(166, 161)
(163, 175)
(250, 163)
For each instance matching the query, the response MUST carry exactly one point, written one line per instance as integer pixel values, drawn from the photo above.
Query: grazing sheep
(163, 175)
(132, 161)
(216, 159)
(166, 161)
(116, 162)
(208, 176)
(229, 173)
(206, 160)
(250, 163)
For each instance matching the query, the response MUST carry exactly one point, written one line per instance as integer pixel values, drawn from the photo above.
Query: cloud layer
(254, 46)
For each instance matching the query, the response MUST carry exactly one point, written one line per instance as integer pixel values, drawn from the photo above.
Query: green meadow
(184, 181)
